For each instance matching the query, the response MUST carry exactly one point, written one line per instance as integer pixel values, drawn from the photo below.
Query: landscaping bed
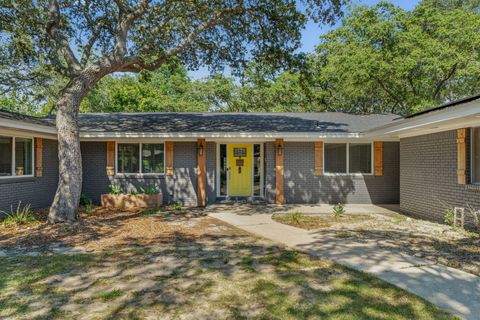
(170, 264)
(436, 242)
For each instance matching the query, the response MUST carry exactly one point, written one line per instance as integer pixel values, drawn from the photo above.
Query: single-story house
(425, 162)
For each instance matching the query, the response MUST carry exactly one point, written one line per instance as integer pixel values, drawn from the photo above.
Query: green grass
(109, 295)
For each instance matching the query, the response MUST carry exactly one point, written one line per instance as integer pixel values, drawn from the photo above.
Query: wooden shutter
(110, 158)
(319, 158)
(38, 157)
(279, 171)
(461, 156)
(169, 158)
(201, 173)
(378, 155)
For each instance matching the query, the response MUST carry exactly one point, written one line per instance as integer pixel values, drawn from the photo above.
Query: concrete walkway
(452, 290)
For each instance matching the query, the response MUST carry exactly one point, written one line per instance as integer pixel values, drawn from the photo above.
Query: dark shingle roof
(170, 122)
(445, 106)
(28, 119)
(331, 122)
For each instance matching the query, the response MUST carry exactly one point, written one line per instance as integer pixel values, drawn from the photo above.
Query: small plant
(84, 200)
(133, 193)
(296, 217)
(89, 207)
(115, 189)
(109, 295)
(177, 206)
(21, 215)
(449, 216)
(151, 189)
(338, 210)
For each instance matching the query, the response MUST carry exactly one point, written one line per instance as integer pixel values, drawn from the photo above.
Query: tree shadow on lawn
(215, 277)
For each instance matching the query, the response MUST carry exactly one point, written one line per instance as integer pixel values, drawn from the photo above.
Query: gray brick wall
(302, 186)
(428, 178)
(181, 187)
(37, 191)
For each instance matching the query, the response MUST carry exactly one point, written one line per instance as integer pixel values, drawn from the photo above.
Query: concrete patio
(451, 289)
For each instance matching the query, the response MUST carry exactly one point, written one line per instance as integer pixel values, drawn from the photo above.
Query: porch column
(279, 171)
(201, 172)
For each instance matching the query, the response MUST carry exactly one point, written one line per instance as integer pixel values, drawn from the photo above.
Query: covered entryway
(240, 169)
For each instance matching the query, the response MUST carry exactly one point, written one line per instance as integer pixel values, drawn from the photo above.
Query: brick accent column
(279, 171)
(201, 172)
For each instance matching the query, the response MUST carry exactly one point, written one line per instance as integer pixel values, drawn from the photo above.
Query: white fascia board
(219, 135)
(406, 126)
(35, 129)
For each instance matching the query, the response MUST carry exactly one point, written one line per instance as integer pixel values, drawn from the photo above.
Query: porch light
(279, 149)
(200, 150)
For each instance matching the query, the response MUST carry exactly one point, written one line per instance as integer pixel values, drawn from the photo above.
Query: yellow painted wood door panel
(240, 169)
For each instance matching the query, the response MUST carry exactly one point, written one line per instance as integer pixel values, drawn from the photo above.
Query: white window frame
(140, 165)
(13, 171)
(348, 160)
(472, 157)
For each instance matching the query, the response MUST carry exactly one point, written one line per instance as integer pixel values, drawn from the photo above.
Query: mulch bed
(108, 228)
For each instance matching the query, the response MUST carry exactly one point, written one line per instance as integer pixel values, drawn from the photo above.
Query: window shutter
(110, 158)
(169, 158)
(461, 156)
(319, 158)
(378, 156)
(38, 157)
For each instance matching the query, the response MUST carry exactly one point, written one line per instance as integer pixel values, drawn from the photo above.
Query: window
(476, 155)
(347, 158)
(16, 156)
(148, 158)
(360, 158)
(223, 169)
(335, 158)
(153, 158)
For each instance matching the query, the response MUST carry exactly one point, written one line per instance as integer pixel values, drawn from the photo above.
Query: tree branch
(442, 82)
(53, 30)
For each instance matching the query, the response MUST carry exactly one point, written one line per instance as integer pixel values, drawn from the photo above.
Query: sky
(312, 31)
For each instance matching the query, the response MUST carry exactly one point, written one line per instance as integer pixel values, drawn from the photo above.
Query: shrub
(449, 216)
(21, 215)
(338, 210)
(89, 207)
(115, 189)
(151, 189)
(176, 206)
(296, 217)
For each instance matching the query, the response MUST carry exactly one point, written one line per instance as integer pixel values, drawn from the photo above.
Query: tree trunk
(65, 204)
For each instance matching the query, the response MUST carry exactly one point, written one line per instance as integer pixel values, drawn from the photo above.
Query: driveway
(451, 289)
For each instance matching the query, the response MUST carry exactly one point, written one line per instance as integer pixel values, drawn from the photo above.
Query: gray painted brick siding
(302, 186)
(428, 178)
(181, 187)
(36, 191)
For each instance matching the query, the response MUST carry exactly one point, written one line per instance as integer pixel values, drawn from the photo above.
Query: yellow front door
(240, 169)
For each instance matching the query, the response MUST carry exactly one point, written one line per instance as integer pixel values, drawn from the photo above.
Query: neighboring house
(426, 162)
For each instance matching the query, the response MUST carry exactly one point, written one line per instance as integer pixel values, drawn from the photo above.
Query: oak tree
(85, 40)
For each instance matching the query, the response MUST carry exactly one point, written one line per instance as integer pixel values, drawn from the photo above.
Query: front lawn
(169, 266)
